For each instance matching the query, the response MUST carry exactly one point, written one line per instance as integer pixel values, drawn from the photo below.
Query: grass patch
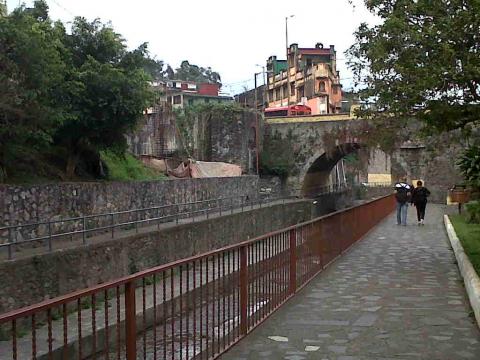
(469, 235)
(127, 167)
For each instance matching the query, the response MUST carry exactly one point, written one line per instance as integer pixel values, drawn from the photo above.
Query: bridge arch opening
(318, 175)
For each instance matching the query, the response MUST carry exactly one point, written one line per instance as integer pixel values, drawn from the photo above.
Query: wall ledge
(470, 277)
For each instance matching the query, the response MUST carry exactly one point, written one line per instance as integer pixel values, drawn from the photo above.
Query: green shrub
(277, 156)
(473, 209)
(469, 164)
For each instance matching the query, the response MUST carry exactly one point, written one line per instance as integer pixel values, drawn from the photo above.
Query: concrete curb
(470, 277)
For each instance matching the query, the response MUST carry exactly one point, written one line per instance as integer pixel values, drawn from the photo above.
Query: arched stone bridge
(318, 143)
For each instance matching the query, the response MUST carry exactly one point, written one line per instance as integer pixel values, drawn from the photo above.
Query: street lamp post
(264, 85)
(288, 64)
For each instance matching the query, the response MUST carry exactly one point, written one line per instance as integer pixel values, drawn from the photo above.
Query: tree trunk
(71, 165)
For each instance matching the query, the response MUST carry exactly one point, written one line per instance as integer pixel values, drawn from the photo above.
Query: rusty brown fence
(195, 308)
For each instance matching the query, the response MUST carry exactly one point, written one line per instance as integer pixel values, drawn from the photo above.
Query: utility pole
(264, 88)
(288, 64)
(256, 124)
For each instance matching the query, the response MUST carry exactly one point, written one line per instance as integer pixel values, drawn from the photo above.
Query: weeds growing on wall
(193, 123)
(127, 167)
(278, 156)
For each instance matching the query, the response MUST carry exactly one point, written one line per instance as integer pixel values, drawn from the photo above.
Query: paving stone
(294, 357)
(366, 320)
(337, 349)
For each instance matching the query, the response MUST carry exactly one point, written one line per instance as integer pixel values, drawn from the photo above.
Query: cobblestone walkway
(396, 295)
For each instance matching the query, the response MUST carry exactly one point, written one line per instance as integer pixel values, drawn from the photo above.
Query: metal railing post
(243, 291)
(136, 221)
(10, 243)
(130, 321)
(177, 214)
(231, 205)
(49, 236)
(293, 262)
(84, 232)
(111, 224)
(220, 205)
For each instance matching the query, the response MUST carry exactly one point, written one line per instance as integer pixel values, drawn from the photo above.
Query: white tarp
(204, 169)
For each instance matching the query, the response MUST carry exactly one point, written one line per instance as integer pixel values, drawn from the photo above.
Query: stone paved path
(396, 295)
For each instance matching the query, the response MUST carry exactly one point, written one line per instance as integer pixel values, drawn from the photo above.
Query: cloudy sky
(230, 36)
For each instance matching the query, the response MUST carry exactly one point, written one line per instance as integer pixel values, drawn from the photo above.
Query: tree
(78, 92)
(189, 72)
(107, 91)
(422, 61)
(31, 73)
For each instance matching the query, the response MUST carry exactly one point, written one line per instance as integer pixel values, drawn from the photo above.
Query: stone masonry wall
(233, 140)
(436, 169)
(29, 204)
(30, 280)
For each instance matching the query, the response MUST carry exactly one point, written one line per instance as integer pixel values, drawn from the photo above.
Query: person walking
(419, 199)
(403, 192)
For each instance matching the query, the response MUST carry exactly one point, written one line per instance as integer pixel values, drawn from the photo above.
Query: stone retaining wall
(30, 204)
(31, 280)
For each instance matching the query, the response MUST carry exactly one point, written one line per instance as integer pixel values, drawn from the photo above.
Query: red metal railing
(195, 308)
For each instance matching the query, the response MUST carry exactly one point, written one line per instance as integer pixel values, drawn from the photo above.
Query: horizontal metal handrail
(232, 202)
(218, 296)
(82, 221)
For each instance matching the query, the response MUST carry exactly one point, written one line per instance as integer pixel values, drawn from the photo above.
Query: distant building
(157, 134)
(180, 93)
(247, 98)
(314, 79)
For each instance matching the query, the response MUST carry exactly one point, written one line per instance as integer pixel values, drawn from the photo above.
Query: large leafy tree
(190, 72)
(107, 92)
(31, 75)
(422, 61)
(78, 91)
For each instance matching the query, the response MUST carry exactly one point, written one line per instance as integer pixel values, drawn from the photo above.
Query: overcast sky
(229, 36)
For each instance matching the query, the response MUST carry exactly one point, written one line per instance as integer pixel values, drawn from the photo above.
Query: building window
(321, 86)
(177, 99)
(301, 92)
(292, 88)
(277, 94)
(270, 95)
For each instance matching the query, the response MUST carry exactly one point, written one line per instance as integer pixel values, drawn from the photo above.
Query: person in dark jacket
(402, 195)
(419, 199)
